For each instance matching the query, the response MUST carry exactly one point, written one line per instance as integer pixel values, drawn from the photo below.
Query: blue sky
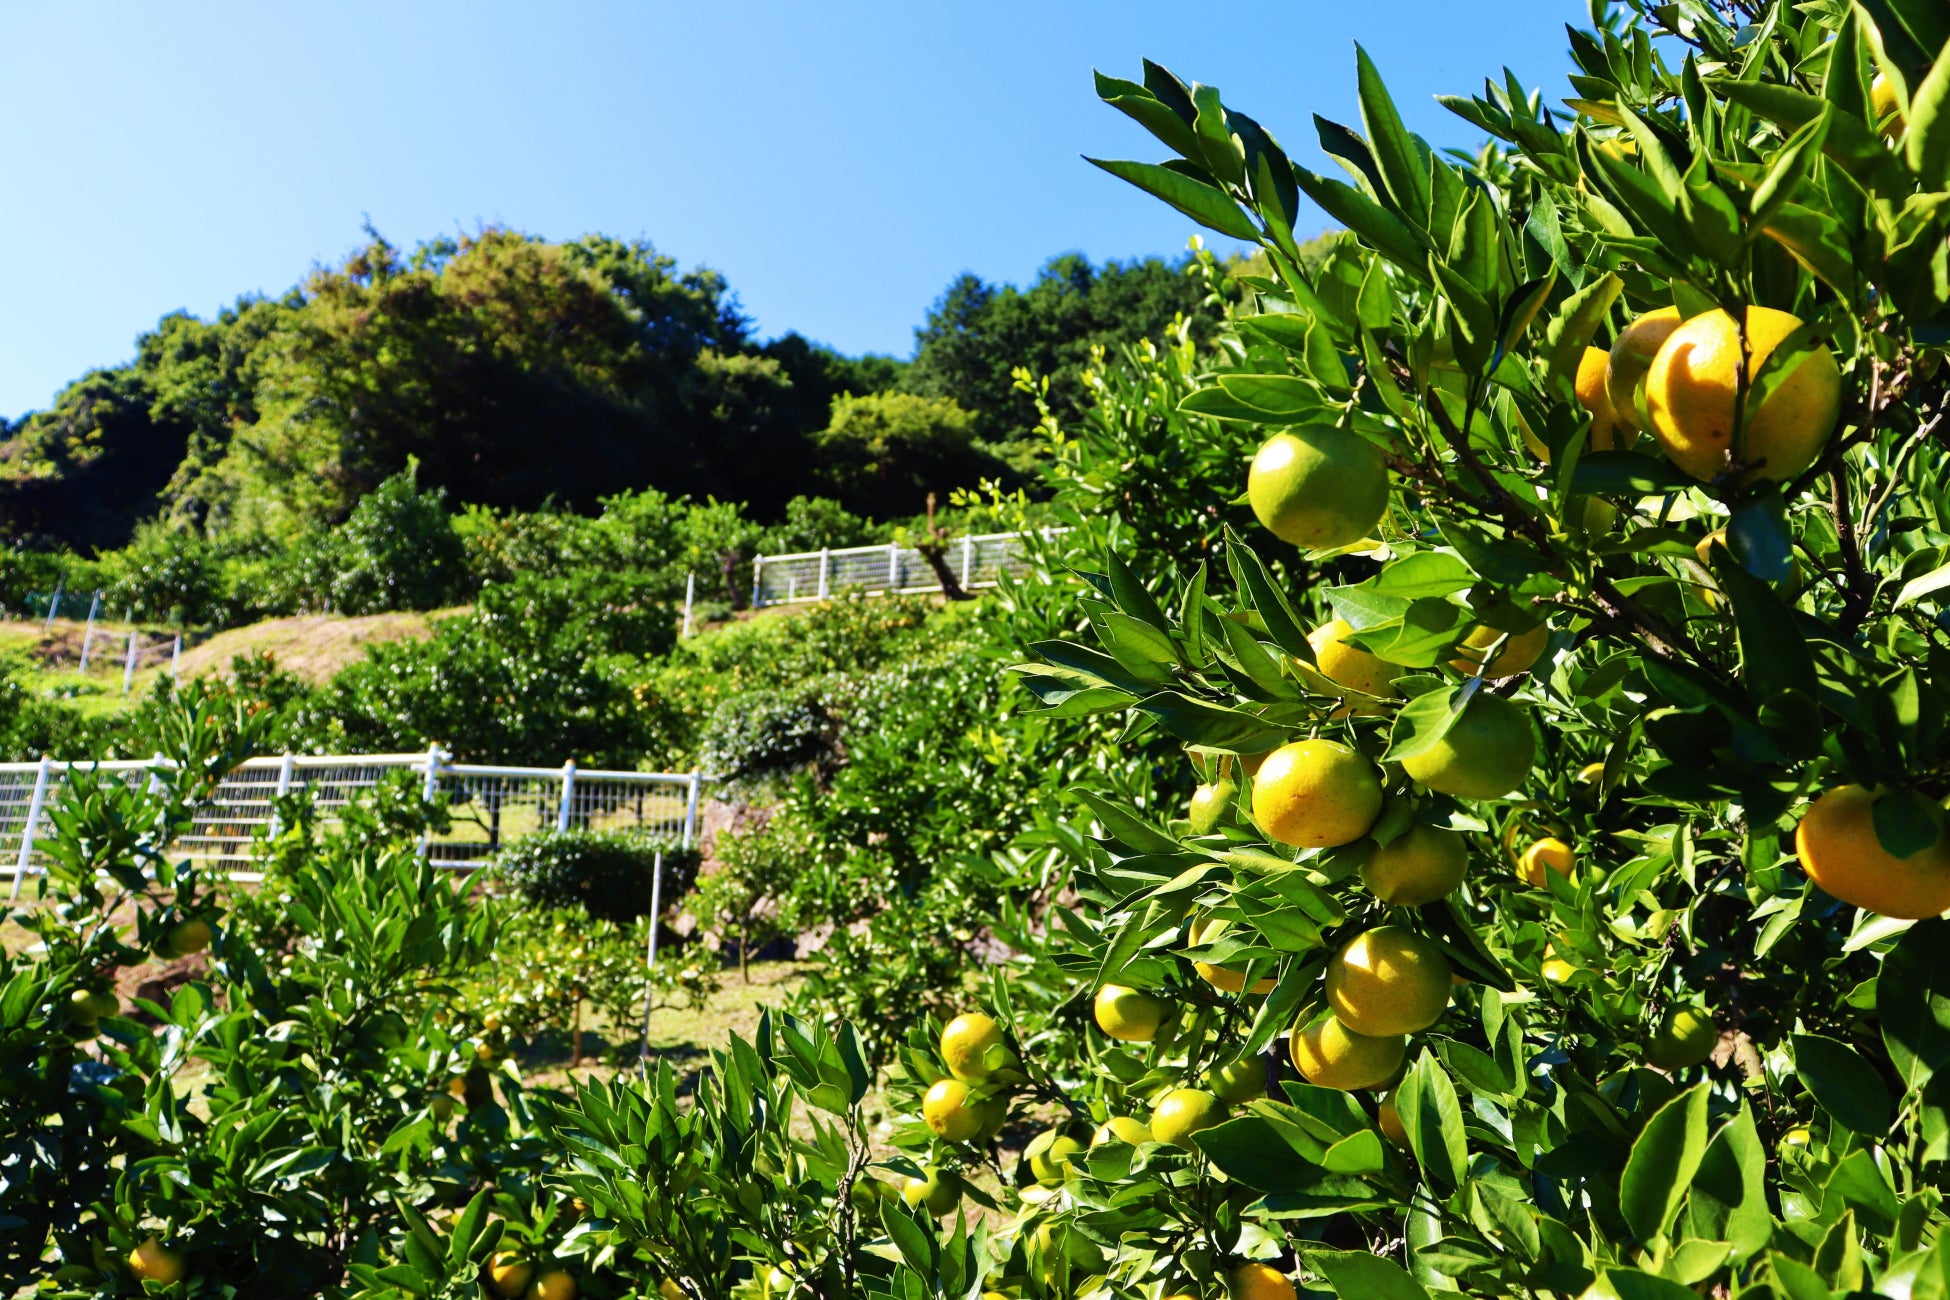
(838, 162)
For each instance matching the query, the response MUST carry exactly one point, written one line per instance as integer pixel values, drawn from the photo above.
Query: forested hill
(520, 371)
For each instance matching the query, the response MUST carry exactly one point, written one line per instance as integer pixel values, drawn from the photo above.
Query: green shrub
(606, 872)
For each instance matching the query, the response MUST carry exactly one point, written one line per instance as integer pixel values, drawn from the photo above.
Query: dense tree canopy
(518, 371)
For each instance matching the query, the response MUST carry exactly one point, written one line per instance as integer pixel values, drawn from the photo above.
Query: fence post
(649, 988)
(429, 788)
(128, 668)
(825, 569)
(27, 828)
(690, 596)
(967, 558)
(53, 606)
(283, 789)
(893, 567)
(690, 811)
(758, 569)
(568, 795)
(88, 634)
(175, 656)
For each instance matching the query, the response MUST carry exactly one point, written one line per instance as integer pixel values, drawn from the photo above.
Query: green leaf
(1385, 232)
(1843, 1084)
(1631, 1284)
(1426, 1100)
(1133, 597)
(1571, 329)
(1360, 1275)
(1662, 1163)
(1423, 574)
(1728, 1201)
(1913, 1002)
(1209, 724)
(1148, 111)
(1254, 1152)
(1773, 654)
(1251, 575)
(1518, 312)
(1928, 144)
(1206, 204)
(1422, 723)
(1403, 160)
(1818, 242)
(1627, 473)
(1759, 537)
(1217, 404)
(1125, 826)
(1788, 170)
(1279, 396)
(1905, 823)
(1141, 648)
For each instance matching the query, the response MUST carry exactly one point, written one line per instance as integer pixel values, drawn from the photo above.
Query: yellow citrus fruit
(1261, 1282)
(154, 1262)
(1548, 854)
(1330, 1055)
(1223, 978)
(1594, 397)
(1557, 970)
(1239, 1080)
(1798, 1136)
(1685, 1038)
(1629, 361)
(1209, 804)
(556, 1284)
(1591, 773)
(184, 938)
(1316, 794)
(1129, 1015)
(1386, 981)
(1121, 1128)
(1690, 393)
(1318, 487)
(967, 1044)
(1883, 104)
(1181, 1113)
(1048, 1154)
(669, 1290)
(509, 1274)
(1251, 763)
(940, 1192)
(1836, 842)
(1389, 1119)
(1418, 866)
(1517, 655)
(1351, 666)
(950, 1112)
(1485, 754)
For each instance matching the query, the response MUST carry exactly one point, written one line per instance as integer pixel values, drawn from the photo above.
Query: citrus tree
(1559, 905)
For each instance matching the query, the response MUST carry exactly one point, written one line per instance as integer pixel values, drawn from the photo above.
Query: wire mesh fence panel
(974, 561)
(493, 807)
(489, 806)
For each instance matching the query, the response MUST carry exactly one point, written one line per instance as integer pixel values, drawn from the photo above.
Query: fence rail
(975, 560)
(489, 806)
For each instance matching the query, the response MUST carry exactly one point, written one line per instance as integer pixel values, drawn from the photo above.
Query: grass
(312, 646)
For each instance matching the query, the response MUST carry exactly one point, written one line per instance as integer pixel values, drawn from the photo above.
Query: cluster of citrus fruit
(513, 1276)
(968, 1104)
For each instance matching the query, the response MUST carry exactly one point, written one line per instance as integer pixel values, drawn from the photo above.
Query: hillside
(313, 646)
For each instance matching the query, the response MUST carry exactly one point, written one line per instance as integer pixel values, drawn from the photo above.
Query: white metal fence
(975, 560)
(489, 806)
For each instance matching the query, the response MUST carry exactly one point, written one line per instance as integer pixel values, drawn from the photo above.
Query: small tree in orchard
(1559, 907)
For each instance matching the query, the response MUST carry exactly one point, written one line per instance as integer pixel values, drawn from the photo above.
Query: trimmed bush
(607, 872)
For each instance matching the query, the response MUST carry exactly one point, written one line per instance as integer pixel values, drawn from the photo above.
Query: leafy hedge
(607, 872)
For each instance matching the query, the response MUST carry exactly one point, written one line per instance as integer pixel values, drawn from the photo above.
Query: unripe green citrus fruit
(1485, 754)
(1239, 1080)
(1181, 1113)
(939, 1191)
(1121, 1128)
(1129, 1015)
(1317, 487)
(1048, 1154)
(1685, 1038)
(1209, 804)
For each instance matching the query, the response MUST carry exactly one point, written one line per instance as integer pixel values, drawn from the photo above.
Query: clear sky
(839, 162)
